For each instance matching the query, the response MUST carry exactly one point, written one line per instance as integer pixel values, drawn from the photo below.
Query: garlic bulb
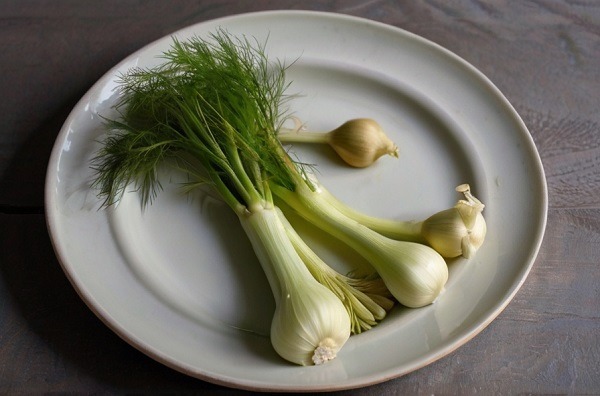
(458, 231)
(454, 232)
(310, 324)
(359, 142)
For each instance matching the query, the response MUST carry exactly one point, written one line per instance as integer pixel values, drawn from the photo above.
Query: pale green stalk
(409, 231)
(457, 231)
(366, 299)
(414, 273)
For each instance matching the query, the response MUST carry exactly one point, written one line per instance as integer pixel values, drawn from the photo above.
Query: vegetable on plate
(214, 109)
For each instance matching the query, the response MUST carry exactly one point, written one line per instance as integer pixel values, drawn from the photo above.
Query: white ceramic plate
(180, 281)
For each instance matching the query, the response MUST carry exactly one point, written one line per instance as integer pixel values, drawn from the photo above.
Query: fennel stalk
(213, 108)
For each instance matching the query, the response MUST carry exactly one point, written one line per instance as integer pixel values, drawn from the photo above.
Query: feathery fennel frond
(218, 100)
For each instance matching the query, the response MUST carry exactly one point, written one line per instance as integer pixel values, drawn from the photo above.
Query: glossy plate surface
(180, 282)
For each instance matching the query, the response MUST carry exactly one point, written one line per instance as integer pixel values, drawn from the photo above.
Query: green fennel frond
(131, 156)
(218, 101)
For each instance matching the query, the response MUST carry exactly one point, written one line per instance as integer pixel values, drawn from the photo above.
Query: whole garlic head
(458, 231)
(360, 142)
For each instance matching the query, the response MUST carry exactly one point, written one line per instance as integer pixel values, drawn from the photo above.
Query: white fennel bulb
(310, 324)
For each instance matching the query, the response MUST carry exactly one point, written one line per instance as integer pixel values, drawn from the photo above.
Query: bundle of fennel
(213, 109)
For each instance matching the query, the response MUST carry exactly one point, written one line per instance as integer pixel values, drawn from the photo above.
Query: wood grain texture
(543, 55)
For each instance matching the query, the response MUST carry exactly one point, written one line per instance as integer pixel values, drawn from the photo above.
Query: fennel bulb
(310, 324)
(366, 300)
(415, 274)
(212, 110)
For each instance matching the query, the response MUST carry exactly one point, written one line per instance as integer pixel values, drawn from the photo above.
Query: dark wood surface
(543, 55)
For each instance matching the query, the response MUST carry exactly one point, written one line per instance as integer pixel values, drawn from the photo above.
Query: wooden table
(543, 55)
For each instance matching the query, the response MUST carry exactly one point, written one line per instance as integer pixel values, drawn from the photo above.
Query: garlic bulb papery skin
(361, 142)
(310, 324)
(458, 231)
